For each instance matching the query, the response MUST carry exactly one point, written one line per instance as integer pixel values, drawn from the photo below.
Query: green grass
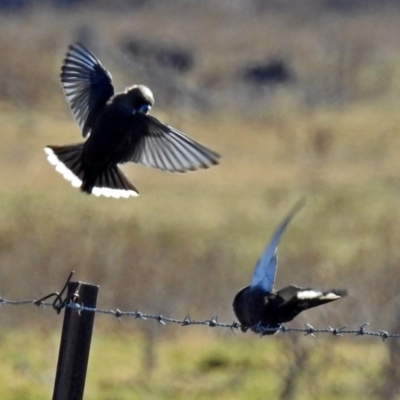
(195, 365)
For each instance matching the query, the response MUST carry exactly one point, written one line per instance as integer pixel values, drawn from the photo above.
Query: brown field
(189, 242)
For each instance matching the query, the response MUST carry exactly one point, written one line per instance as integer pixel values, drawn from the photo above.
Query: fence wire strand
(212, 322)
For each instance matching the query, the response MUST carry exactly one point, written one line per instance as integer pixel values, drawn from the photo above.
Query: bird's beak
(145, 108)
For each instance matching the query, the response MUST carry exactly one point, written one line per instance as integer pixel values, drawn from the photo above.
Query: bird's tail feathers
(110, 182)
(321, 296)
(68, 162)
(337, 292)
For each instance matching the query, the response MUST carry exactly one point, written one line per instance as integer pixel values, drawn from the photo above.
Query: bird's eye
(145, 108)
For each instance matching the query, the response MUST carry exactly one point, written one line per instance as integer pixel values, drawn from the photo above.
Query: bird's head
(140, 98)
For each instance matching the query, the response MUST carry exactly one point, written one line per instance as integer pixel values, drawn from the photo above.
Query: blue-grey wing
(164, 147)
(87, 85)
(265, 272)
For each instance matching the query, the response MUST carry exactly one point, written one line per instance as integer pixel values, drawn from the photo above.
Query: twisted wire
(212, 322)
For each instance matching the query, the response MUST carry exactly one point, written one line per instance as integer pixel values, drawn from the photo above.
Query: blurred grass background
(329, 132)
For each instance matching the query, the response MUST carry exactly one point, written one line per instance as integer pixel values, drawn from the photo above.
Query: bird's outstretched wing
(87, 85)
(164, 147)
(265, 272)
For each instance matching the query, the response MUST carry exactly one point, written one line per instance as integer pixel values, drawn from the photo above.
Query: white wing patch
(313, 294)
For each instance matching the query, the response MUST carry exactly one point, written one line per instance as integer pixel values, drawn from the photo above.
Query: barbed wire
(212, 322)
(72, 298)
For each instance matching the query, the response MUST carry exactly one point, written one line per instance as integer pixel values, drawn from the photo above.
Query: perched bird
(118, 129)
(259, 306)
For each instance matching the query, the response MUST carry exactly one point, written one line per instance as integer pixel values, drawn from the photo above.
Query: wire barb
(213, 322)
(337, 331)
(362, 330)
(384, 335)
(235, 325)
(138, 314)
(309, 330)
(118, 314)
(186, 321)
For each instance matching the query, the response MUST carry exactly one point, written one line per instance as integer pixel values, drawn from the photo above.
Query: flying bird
(259, 306)
(118, 129)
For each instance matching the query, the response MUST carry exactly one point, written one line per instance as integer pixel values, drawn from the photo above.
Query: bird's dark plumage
(118, 130)
(259, 306)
